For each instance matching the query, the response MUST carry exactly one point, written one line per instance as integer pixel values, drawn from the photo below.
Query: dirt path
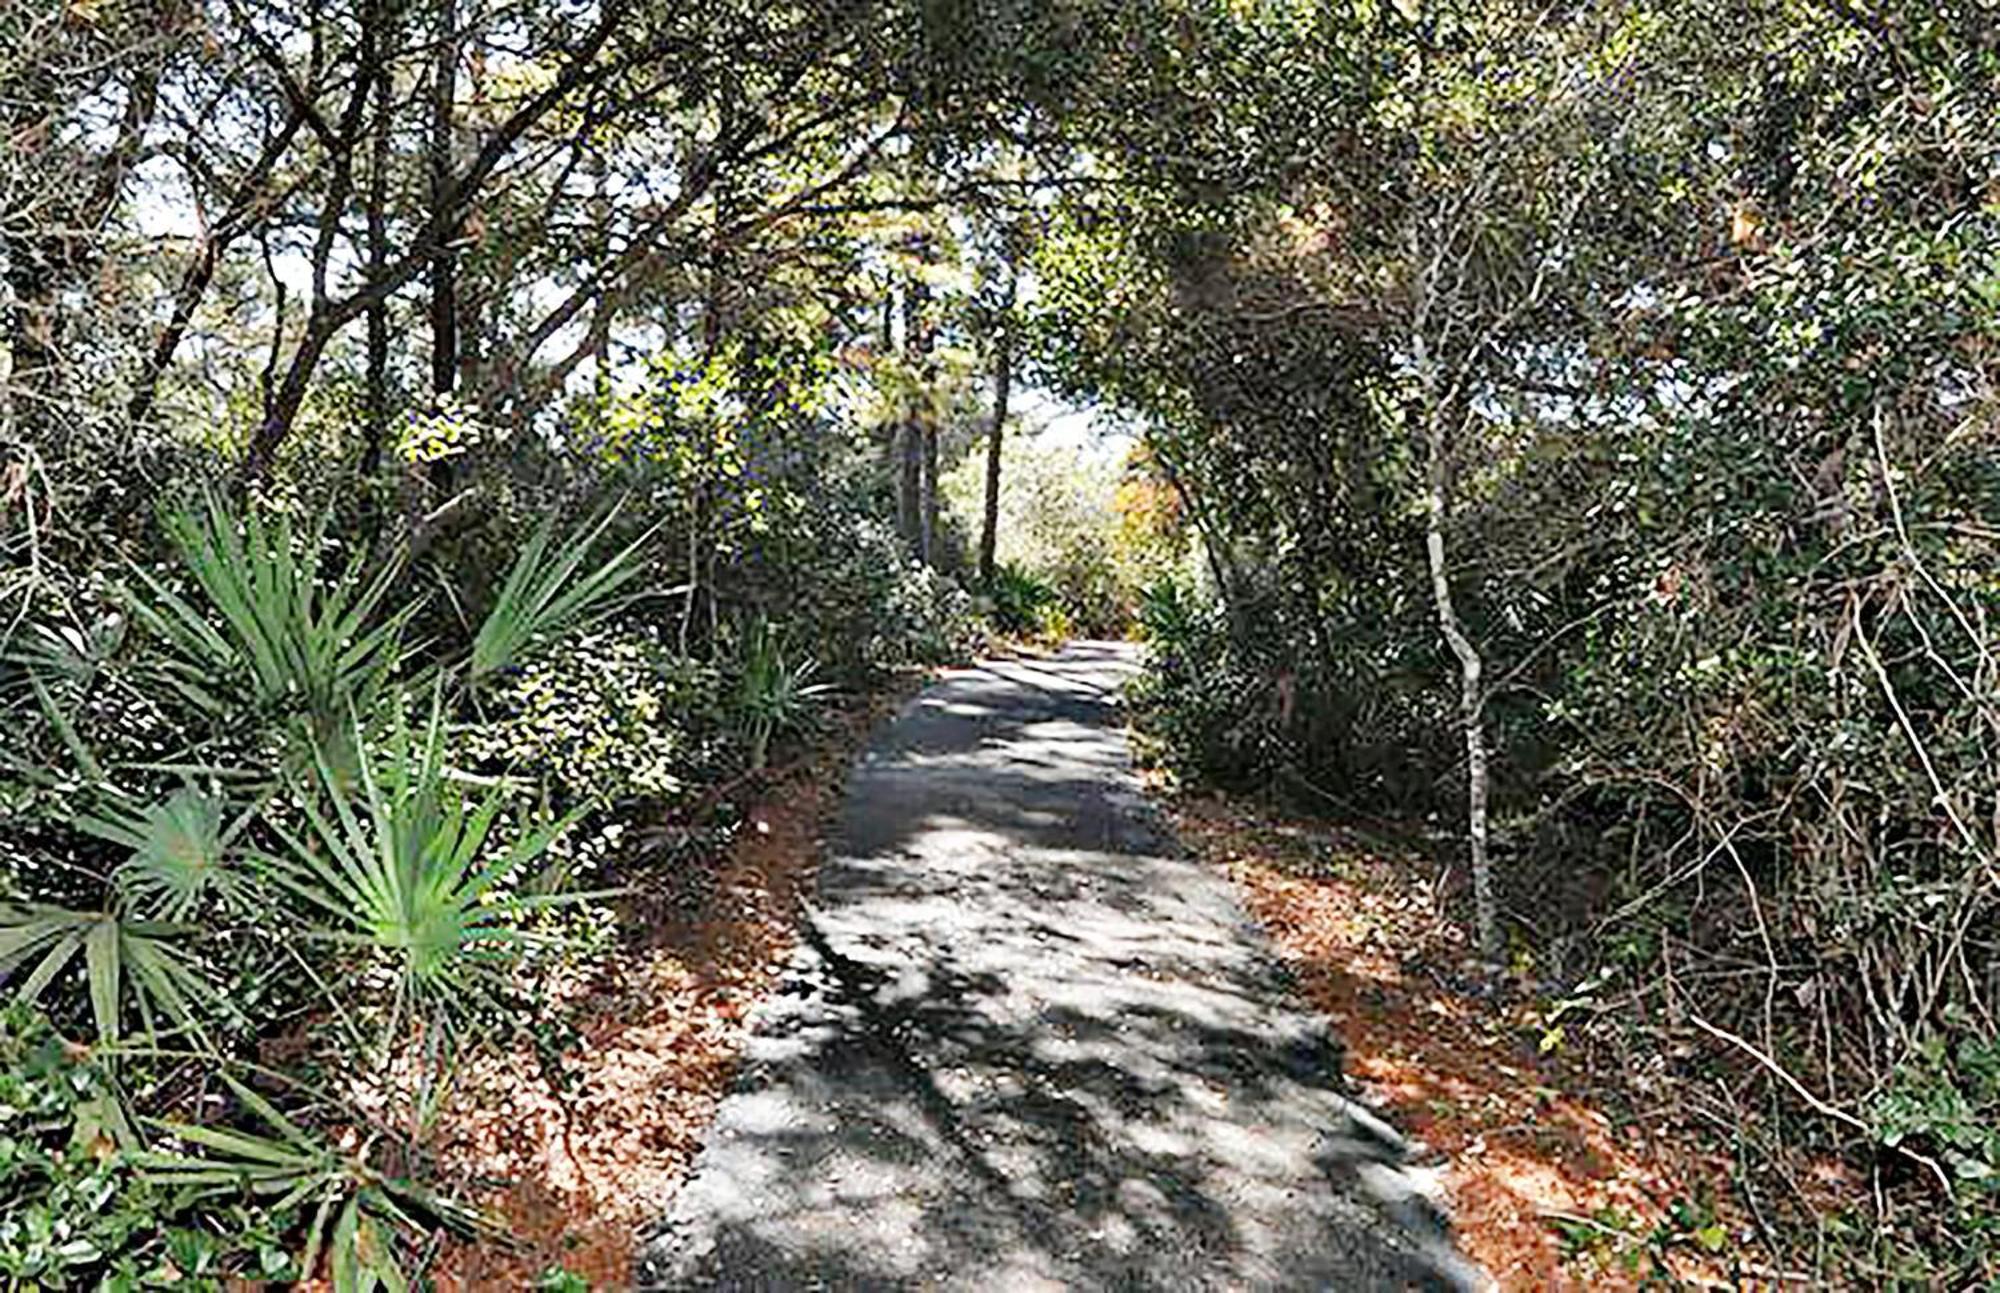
(1025, 1045)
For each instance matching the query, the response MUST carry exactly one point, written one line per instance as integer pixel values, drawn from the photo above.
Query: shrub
(1020, 600)
(774, 691)
(857, 591)
(1062, 524)
(268, 640)
(925, 618)
(609, 718)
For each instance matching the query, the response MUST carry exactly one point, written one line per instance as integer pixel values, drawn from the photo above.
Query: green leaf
(545, 596)
(177, 846)
(103, 960)
(270, 632)
(399, 861)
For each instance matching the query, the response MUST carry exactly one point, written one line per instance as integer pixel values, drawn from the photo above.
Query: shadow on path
(1025, 1045)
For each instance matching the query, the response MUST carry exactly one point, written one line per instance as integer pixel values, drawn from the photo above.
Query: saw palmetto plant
(408, 863)
(179, 850)
(552, 590)
(312, 845)
(355, 1209)
(137, 954)
(267, 631)
(125, 960)
(775, 691)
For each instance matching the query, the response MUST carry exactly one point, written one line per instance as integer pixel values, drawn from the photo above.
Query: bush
(924, 618)
(1090, 591)
(76, 1210)
(1201, 710)
(866, 602)
(609, 718)
(1021, 601)
(1062, 527)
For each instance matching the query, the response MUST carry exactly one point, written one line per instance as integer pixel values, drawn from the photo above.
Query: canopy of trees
(436, 435)
(1591, 426)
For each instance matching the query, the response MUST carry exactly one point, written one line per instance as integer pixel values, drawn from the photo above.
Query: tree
(916, 433)
(1486, 231)
(1002, 328)
(79, 101)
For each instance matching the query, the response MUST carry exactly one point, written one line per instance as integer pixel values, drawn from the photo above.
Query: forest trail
(1026, 1044)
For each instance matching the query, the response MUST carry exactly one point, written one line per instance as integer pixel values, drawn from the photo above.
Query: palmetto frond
(121, 957)
(354, 1208)
(270, 630)
(773, 692)
(405, 861)
(549, 592)
(179, 848)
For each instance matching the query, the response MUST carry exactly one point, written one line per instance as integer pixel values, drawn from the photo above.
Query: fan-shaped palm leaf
(773, 693)
(179, 850)
(120, 956)
(271, 632)
(549, 592)
(355, 1206)
(404, 861)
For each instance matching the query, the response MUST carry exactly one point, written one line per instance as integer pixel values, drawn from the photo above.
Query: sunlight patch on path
(1026, 1045)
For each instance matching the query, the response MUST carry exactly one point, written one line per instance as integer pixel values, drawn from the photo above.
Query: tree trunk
(430, 245)
(909, 479)
(905, 455)
(33, 344)
(910, 494)
(928, 547)
(1003, 385)
(59, 249)
(700, 600)
(284, 403)
(603, 310)
(377, 433)
(921, 450)
(1471, 702)
(892, 441)
(1003, 382)
(443, 269)
(1221, 567)
(196, 281)
(473, 294)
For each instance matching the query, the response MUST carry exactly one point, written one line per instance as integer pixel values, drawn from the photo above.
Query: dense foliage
(439, 444)
(1609, 408)
(266, 782)
(440, 440)
(313, 773)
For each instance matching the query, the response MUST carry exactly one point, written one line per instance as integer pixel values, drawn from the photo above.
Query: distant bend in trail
(1026, 1045)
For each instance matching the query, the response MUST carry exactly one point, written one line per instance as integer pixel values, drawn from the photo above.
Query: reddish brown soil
(1528, 1137)
(662, 1023)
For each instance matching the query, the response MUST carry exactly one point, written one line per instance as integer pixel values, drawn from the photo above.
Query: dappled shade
(1027, 1045)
